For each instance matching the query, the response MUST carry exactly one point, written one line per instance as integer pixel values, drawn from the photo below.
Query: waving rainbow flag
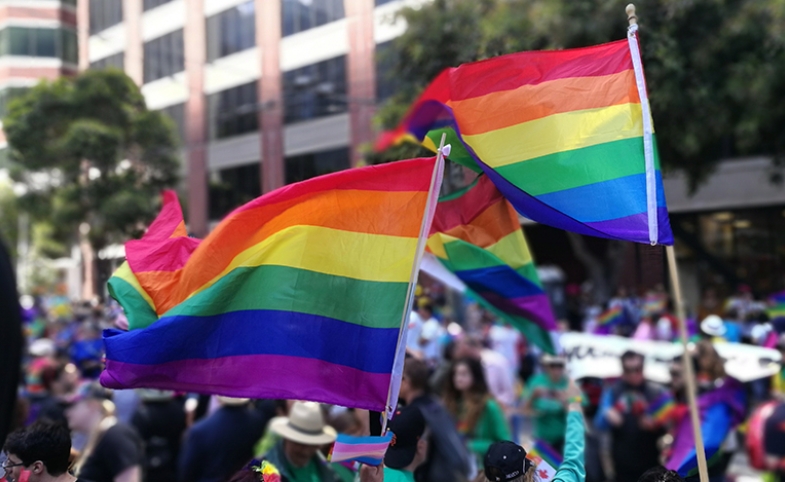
(267, 304)
(476, 235)
(563, 135)
(661, 409)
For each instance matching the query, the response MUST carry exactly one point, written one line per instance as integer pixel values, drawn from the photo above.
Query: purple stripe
(535, 308)
(629, 227)
(257, 376)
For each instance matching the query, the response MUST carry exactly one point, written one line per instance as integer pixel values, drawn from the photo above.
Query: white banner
(599, 356)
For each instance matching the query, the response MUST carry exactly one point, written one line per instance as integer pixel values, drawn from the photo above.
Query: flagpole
(399, 350)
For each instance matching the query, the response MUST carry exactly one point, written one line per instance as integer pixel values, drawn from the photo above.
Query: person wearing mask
(114, 451)
(410, 447)
(448, 459)
(38, 453)
(220, 444)
(297, 455)
(545, 401)
(507, 462)
(480, 418)
(160, 421)
(623, 411)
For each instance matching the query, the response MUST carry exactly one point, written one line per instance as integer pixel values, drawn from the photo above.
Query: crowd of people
(470, 392)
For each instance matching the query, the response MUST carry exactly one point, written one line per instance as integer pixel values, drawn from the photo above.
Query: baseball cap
(505, 461)
(407, 427)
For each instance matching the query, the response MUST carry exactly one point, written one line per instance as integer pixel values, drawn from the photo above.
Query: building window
(7, 95)
(382, 2)
(233, 187)
(104, 14)
(39, 42)
(385, 64)
(177, 114)
(316, 90)
(164, 56)
(233, 111)
(300, 15)
(305, 166)
(231, 31)
(116, 61)
(150, 4)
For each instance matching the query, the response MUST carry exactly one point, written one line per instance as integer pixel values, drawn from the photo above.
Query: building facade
(264, 92)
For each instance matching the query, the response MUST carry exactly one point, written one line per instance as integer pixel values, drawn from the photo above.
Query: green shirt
(491, 427)
(309, 473)
(345, 473)
(550, 422)
(395, 475)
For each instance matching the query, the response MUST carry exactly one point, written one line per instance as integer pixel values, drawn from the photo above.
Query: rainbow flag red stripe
(612, 316)
(560, 133)
(287, 282)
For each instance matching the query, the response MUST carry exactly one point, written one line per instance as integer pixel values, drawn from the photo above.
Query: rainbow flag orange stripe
(560, 133)
(662, 408)
(476, 235)
(610, 317)
(287, 282)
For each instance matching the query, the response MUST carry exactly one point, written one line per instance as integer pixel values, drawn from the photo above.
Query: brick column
(361, 74)
(268, 38)
(132, 17)
(196, 117)
(83, 32)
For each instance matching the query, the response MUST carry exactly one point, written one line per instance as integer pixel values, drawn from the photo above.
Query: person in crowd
(495, 367)
(59, 381)
(733, 326)
(480, 418)
(448, 459)
(623, 410)
(88, 350)
(160, 421)
(220, 444)
(281, 408)
(114, 452)
(430, 334)
(507, 462)
(346, 422)
(660, 474)
(545, 400)
(40, 452)
(713, 328)
(410, 447)
(413, 335)
(505, 340)
(297, 455)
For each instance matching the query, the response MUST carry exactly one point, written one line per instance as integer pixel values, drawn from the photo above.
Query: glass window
(8, 94)
(69, 48)
(39, 42)
(150, 4)
(116, 61)
(385, 62)
(233, 188)
(300, 15)
(315, 90)
(305, 166)
(164, 56)
(231, 31)
(233, 111)
(104, 14)
(177, 114)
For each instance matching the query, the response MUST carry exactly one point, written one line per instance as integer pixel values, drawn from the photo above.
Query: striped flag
(366, 450)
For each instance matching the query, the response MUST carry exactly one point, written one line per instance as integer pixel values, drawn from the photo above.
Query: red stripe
(514, 70)
(463, 210)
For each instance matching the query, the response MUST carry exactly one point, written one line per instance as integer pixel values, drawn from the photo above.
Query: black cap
(505, 461)
(407, 427)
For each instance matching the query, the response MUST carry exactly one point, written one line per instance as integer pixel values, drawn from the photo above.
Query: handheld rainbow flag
(287, 282)
(565, 135)
(366, 450)
(661, 410)
(541, 451)
(476, 235)
(608, 319)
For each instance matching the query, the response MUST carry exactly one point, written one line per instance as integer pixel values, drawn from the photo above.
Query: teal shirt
(550, 423)
(572, 468)
(395, 475)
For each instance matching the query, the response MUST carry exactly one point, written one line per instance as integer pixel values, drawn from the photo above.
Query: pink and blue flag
(366, 450)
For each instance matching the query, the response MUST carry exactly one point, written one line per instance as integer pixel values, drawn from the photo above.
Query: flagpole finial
(631, 17)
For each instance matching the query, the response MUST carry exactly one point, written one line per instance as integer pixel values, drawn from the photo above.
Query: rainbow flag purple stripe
(366, 450)
(545, 452)
(662, 408)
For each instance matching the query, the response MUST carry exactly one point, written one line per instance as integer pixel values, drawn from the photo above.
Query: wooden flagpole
(689, 376)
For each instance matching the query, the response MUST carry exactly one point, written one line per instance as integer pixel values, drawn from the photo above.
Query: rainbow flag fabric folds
(661, 409)
(366, 450)
(608, 319)
(560, 133)
(267, 305)
(541, 451)
(721, 410)
(477, 236)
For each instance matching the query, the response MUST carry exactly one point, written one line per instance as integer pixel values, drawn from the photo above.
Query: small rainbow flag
(611, 317)
(776, 308)
(542, 451)
(265, 306)
(661, 409)
(366, 450)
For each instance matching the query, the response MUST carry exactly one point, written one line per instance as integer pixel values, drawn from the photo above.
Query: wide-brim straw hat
(713, 325)
(304, 425)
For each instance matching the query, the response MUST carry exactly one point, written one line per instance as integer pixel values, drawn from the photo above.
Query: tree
(91, 155)
(715, 70)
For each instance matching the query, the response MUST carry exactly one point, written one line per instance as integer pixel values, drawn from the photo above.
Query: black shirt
(161, 425)
(119, 448)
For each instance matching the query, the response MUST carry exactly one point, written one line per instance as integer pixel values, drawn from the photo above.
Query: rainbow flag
(476, 235)
(267, 304)
(608, 319)
(366, 450)
(720, 410)
(562, 134)
(152, 264)
(541, 451)
(776, 308)
(662, 408)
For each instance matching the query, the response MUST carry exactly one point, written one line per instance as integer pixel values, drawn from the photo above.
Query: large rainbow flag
(299, 294)
(562, 134)
(477, 236)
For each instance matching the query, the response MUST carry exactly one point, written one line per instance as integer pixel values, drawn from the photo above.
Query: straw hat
(304, 425)
(233, 402)
(713, 325)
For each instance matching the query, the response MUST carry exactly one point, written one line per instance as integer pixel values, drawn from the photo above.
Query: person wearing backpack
(160, 421)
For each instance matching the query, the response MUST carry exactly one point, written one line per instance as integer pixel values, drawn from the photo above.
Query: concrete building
(264, 92)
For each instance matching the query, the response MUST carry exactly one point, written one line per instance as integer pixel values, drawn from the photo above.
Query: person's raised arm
(572, 468)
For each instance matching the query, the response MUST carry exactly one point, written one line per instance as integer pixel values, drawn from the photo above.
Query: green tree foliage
(89, 151)
(715, 68)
